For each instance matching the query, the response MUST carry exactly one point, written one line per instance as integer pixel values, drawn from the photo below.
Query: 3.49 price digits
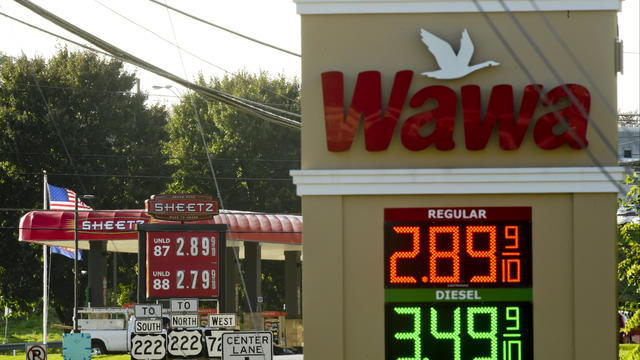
(480, 341)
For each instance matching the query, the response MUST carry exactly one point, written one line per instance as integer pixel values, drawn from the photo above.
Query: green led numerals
(453, 335)
(512, 348)
(482, 325)
(491, 335)
(415, 335)
(513, 314)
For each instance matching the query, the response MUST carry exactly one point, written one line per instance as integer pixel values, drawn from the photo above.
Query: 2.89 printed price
(196, 246)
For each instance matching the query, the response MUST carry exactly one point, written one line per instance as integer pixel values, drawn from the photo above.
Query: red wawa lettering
(378, 129)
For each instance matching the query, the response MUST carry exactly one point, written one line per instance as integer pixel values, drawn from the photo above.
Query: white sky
(271, 21)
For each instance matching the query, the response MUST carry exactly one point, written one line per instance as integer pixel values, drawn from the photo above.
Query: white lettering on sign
(457, 214)
(182, 207)
(457, 295)
(247, 345)
(110, 225)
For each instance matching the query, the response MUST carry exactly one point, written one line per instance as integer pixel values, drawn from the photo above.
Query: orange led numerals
(510, 264)
(511, 258)
(393, 268)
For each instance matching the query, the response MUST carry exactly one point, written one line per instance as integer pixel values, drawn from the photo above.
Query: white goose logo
(452, 66)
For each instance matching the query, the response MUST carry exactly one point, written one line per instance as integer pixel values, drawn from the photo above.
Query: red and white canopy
(118, 228)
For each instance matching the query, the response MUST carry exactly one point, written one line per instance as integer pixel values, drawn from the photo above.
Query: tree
(629, 257)
(251, 157)
(74, 116)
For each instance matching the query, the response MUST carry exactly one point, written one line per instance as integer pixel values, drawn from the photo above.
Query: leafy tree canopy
(73, 115)
(251, 157)
(629, 257)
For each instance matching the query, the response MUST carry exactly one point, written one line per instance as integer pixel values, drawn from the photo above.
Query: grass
(59, 357)
(30, 330)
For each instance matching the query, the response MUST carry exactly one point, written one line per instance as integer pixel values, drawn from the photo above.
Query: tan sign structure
(459, 179)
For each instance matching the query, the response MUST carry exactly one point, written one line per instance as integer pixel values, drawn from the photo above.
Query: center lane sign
(247, 345)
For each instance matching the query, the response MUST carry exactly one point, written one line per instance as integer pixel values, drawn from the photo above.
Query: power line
(225, 29)
(152, 176)
(161, 38)
(530, 77)
(150, 157)
(262, 112)
(55, 35)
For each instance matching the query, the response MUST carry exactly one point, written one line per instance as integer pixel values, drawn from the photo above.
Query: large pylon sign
(458, 179)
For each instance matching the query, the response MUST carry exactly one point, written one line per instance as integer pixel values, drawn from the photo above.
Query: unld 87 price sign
(182, 264)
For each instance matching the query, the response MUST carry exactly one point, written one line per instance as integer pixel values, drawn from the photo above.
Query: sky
(149, 29)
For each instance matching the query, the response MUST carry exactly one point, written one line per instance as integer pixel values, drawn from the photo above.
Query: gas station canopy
(275, 232)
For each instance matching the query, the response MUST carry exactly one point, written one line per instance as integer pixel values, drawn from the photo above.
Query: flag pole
(45, 265)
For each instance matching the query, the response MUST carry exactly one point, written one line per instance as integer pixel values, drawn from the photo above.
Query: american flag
(64, 199)
(70, 253)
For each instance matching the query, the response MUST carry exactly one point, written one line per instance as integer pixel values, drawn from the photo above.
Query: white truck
(110, 328)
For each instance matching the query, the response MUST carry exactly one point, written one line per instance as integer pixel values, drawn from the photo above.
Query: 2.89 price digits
(435, 255)
(192, 279)
(193, 246)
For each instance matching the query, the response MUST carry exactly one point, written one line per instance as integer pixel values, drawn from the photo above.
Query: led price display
(457, 247)
(459, 331)
(182, 264)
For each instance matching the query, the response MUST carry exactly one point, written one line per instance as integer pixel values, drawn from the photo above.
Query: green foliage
(251, 157)
(74, 116)
(629, 352)
(629, 257)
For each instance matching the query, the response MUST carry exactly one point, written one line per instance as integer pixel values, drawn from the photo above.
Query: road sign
(148, 310)
(148, 347)
(213, 339)
(184, 321)
(184, 305)
(247, 345)
(184, 343)
(37, 351)
(147, 326)
(76, 346)
(222, 321)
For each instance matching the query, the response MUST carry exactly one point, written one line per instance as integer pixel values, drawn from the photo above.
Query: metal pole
(75, 268)
(115, 278)
(45, 269)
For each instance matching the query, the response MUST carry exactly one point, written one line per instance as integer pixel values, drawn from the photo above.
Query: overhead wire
(213, 175)
(530, 77)
(175, 44)
(55, 35)
(225, 29)
(262, 112)
(161, 38)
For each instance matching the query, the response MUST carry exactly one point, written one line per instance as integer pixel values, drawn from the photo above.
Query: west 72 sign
(512, 127)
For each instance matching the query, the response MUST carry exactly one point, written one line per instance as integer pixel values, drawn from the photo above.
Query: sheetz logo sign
(366, 102)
